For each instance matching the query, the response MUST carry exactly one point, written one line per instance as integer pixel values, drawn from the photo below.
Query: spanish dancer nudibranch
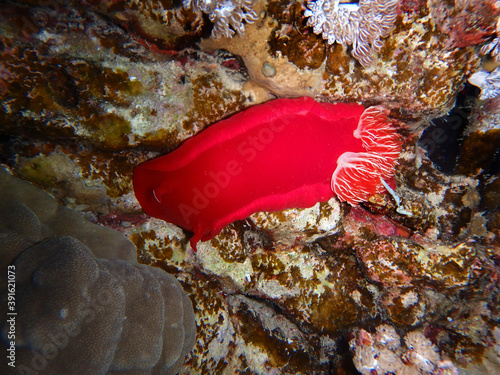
(286, 153)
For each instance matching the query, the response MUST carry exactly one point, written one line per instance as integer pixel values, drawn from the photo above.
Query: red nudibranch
(286, 153)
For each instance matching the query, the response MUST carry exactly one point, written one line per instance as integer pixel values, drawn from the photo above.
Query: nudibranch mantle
(286, 153)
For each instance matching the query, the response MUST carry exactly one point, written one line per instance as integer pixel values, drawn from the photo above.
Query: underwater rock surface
(406, 282)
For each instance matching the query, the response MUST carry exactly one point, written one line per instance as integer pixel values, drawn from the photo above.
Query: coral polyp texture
(228, 16)
(359, 24)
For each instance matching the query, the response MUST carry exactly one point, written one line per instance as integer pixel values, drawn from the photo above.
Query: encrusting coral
(77, 313)
(360, 24)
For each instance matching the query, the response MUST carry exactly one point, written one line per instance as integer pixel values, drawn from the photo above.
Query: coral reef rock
(227, 15)
(404, 282)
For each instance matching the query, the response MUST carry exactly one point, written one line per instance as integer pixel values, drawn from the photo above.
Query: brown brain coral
(79, 314)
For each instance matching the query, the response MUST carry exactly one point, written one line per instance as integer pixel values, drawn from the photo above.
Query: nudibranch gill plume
(286, 153)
